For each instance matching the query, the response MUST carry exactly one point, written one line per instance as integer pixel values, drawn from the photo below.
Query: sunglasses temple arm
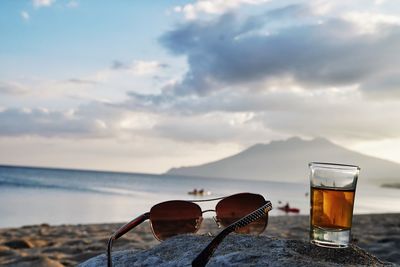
(204, 256)
(123, 230)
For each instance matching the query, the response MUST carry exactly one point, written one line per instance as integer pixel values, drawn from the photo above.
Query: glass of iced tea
(333, 188)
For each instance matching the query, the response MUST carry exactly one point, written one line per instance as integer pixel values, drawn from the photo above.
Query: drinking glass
(333, 188)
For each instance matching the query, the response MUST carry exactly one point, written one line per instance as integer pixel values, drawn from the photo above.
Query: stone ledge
(240, 250)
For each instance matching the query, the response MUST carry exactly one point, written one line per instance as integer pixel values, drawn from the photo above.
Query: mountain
(288, 161)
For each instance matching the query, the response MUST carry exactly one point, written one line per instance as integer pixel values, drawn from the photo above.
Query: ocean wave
(71, 187)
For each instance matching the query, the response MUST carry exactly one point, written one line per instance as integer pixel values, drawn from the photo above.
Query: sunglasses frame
(204, 256)
(146, 216)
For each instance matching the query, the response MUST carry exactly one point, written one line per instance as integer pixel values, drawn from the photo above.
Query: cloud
(287, 71)
(292, 70)
(238, 117)
(147, 67)
(42, 122)
(134, 69)
(13, 88)
(25, 15)
(81, 81)
(385, 86)
(139, 67)
(119, 65)
(340, 115)
(370, 22)
(242, 116)
(291, 42)
(214, 7)
(93, 120)
(231, 127)
(42, 3)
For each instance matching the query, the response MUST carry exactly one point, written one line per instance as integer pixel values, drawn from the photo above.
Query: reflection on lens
(235, 207)
(175, 217)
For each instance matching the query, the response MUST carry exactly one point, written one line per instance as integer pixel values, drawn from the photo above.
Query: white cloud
(146, 67)
(135, 68)
(338, 113)
(213, 7)
(138, 121)
(314, 51)
(25, 15)
(13, 88)
(42, 3)
(42, 122)
(139, 67)
(106, 85)
(370, 22)
(295, 70)
(259, 85)
(232, 127)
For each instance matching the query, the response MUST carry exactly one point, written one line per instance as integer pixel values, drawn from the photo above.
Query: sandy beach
(68, 245)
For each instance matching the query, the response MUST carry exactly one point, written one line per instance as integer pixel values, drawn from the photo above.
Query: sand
(68, 245)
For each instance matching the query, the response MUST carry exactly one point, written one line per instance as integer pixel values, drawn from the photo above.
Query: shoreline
(2, 228)
(70, 244)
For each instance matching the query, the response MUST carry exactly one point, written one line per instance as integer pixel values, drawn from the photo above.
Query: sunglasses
(202, 259)
(176, 217)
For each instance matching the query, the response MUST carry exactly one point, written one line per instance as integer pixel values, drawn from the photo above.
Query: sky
(144, 86)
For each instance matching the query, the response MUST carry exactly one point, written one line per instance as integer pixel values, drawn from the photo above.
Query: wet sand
(68, 245)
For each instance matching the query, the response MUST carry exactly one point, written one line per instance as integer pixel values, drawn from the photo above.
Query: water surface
(57, 196)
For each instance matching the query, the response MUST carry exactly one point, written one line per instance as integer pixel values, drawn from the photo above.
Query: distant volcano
(288, 161)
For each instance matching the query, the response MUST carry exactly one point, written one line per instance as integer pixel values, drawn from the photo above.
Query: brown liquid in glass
(331, 208)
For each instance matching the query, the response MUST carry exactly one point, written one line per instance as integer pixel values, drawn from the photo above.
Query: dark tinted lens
(175, 217)
(235, 207)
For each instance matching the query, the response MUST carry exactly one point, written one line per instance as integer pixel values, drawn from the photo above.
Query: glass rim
(331, 165)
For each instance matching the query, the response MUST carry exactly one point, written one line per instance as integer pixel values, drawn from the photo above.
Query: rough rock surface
(19, 243)
(240, 250)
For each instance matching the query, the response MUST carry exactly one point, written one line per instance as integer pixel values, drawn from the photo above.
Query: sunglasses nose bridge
(217, 222)
(207, 211)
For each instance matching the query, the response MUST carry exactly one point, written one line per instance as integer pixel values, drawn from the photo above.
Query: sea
(63, 196)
